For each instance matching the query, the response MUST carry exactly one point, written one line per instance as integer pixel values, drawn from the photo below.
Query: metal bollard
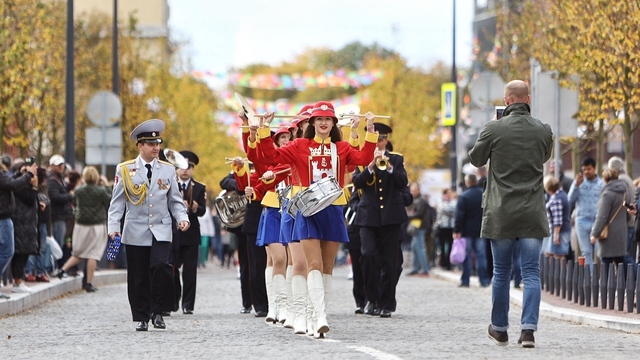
(556, 276)
(569, 280)
(563, 278)
(631, 287)
(576, 270)
(543, 272)
(620, 287)
(552, 267)
(581, 285)
(595, 291)
(604, 284)
(611, 287)
(587, 285)
(638, 291)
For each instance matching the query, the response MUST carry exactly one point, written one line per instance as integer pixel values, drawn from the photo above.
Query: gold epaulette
(165, 162)
(395, 153)
(127, 162)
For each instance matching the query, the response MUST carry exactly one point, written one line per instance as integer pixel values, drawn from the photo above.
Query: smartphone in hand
(499, 112)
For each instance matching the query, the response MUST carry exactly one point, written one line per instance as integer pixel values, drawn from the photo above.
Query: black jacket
(60, 198)
(25, 222)
(468, 215)
(195, 192)
(8, 185)
(381, 201)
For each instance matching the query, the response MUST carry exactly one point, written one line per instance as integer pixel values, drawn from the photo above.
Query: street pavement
(435, 319)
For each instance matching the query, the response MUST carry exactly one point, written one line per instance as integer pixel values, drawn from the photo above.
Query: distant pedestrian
(516, 148)
(90, 228)
(468, 222)
(584, 194)
(559, 217)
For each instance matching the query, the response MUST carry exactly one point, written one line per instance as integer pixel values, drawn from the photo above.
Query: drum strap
(334, 160)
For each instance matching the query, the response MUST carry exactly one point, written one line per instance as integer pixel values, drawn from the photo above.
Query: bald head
(516, 91)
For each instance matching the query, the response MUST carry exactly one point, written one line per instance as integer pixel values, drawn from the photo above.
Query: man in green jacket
(515, 149)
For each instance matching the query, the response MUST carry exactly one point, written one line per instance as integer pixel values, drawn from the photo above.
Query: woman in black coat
(25, 221)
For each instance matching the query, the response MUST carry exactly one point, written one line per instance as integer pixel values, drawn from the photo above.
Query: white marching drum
(315, 198)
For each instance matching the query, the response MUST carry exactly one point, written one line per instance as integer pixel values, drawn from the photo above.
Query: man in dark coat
(380, 216)
(468, 222)
(61, 198)
(186, 243)
(516, 148)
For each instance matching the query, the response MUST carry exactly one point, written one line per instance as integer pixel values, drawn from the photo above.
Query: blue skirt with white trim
(328, 224)
(286, 225)
(268, 227)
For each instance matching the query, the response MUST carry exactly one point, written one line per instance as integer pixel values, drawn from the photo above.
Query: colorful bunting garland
(338, 78)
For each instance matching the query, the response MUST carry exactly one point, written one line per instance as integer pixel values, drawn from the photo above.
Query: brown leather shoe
(526, 339)
(499, 337)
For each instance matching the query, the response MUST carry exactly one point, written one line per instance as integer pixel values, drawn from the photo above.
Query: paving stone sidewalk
(435, 320)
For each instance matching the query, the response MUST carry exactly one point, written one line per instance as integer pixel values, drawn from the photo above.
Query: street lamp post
(453, 151)
(69, 139)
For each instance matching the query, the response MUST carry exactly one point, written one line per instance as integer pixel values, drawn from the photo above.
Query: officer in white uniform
(146, 194)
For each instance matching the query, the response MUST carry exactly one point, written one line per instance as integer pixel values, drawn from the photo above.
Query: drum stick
(278, 172)
(249, 183)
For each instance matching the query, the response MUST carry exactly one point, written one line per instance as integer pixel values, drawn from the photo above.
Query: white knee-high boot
(271, 299)
(280, 292)
(309, 312)
(327, 282)
(290, 312)
(315, 286)
(299, 291)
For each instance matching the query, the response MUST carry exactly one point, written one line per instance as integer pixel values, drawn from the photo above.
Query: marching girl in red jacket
(318, 154)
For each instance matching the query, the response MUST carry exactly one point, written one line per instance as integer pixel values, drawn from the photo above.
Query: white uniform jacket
(152, 213)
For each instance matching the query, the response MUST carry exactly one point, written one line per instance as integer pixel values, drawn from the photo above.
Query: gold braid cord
(127, 184)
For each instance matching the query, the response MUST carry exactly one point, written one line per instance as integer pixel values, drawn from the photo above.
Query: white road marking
(380, 355)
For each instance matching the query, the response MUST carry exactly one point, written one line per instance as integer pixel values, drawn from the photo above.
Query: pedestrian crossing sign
(448, 104)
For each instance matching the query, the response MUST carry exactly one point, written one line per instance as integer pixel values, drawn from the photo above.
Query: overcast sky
(234, 33)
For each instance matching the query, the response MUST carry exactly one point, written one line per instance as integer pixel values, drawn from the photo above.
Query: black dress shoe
(142, 326)
(371, 308)
(359, 310)
(384, 313)
(158, 321)
(89, 288)
(187, 312)
(245, 311)
(261, 314)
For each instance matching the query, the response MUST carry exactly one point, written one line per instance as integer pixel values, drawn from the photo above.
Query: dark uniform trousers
(354, 247)
(379, 262)
(257, 257)
(185, 256)
(243, 262)
(149, 268)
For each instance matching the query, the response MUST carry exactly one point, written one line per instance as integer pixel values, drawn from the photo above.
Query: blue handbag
(113, 248)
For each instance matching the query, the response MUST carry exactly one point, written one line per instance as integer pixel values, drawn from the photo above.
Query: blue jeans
(530, 258)
(517, 265)
(583, 230)
(7, 246)
(419, 253)
(42, 262)
(59, 228)
(478, 246)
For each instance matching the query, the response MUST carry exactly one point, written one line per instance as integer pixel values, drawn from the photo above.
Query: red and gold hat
(304, 113)
(284, 129)
(323, 108)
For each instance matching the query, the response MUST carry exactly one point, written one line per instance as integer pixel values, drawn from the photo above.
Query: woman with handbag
(38, 265)
(90, 229)
(612, 219)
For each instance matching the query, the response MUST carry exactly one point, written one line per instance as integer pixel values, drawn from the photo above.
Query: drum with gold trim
(315, 198)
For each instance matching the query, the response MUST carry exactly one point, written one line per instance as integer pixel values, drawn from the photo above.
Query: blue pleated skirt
(268, 227)
(286, 225)
(328, 224)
